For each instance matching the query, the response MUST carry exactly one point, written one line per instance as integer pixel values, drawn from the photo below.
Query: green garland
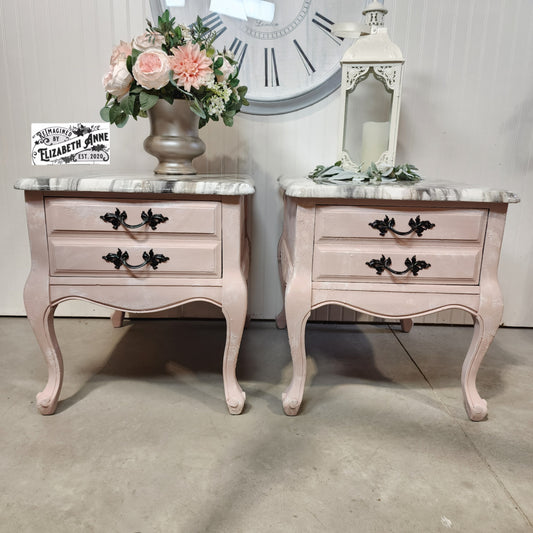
(374, 174)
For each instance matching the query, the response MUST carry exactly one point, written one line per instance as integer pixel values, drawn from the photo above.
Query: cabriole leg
(406, 324)
(117, 319)
(485, 327)
(235, 313)
(297, 315)
(42, 323)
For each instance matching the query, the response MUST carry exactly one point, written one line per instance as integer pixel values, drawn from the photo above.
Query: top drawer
(353, 222)
(184, 217)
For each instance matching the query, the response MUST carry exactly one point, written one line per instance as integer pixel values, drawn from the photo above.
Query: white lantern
(372, 72)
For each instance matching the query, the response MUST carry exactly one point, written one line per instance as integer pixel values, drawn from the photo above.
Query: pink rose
(151, 69)
(118, 80)
(148, 40)
(191, 66)
(120, 52)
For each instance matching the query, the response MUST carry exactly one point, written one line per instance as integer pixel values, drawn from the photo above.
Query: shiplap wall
(467, 116)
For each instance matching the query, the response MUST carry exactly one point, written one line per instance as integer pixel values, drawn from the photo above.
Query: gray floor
(142, 441)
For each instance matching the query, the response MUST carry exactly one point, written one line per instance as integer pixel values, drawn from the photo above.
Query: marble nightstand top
(215, 184)
(422, 190)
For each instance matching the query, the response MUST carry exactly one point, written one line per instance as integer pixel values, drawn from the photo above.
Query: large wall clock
(289, 57)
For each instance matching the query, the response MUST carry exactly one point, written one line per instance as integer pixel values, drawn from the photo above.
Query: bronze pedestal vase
(173, 138)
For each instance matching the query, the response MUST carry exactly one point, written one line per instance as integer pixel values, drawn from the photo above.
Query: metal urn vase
(173, 138)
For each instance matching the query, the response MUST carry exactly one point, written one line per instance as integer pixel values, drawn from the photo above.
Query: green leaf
(127, 104)
(197, 110)
(104, 113)
(114, 113)
(218, 63)
(148, 100)
(122, 120)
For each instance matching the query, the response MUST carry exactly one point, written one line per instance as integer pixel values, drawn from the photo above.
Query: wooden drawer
(184, 217)
(449, 265)
(450, 241)
(353, 222)
(82, 255)
(78, 238)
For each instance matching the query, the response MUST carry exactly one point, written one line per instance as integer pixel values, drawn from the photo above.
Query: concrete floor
(142, 441)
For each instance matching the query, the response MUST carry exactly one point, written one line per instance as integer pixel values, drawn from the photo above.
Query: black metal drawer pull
(121, 258)
(417, 226)
(117, 219)
(412, 265)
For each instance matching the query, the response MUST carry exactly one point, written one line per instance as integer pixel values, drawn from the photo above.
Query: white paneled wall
(467, 116)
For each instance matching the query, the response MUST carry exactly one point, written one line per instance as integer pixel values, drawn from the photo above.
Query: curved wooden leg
(235, 313)
(485, 328)
(297, 315)
(117, 319)
(281, 321)
(406, 324)
(42, 323)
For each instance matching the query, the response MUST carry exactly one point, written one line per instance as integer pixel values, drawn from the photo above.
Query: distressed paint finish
(215, 222)
(310, 283)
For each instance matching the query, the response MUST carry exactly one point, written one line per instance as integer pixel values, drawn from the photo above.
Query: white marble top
(216, 184)
(421, 190)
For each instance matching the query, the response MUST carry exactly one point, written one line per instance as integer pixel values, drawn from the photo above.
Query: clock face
(289, 57)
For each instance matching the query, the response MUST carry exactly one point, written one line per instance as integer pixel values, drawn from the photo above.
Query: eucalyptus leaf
(114, 113)
(122, 120)
(376, 173)
(197, 110)
(148, 100)
(105, 114)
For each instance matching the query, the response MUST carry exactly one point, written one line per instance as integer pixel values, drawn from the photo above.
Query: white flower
(148, 40)
(186, 33)
(216, 106)
(117, 81)
(227, 69)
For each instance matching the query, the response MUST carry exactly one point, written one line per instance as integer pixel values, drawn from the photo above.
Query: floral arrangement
(171, 61)
(376, 173)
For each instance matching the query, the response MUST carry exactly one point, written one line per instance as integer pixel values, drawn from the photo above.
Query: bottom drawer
(448, 266)
(84, 257)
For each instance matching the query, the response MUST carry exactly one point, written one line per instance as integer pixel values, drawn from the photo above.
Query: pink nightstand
(396, 251)
(137, 243)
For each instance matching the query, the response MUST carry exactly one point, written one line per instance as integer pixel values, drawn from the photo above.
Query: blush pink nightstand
(396, 251)
(137, 243)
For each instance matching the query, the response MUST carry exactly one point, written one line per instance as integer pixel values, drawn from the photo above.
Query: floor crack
(467, 436)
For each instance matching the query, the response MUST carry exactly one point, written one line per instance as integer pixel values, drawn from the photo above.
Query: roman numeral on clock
(238, 48)
(214, 23)
(271, 68)
(326, 25)
(305, 60)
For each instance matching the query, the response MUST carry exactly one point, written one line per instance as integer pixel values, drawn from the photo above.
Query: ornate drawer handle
(117, 218)
(412, 265)
(417, 226)
(121, 258)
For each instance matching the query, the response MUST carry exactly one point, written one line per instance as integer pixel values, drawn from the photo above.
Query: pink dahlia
(191, 66)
